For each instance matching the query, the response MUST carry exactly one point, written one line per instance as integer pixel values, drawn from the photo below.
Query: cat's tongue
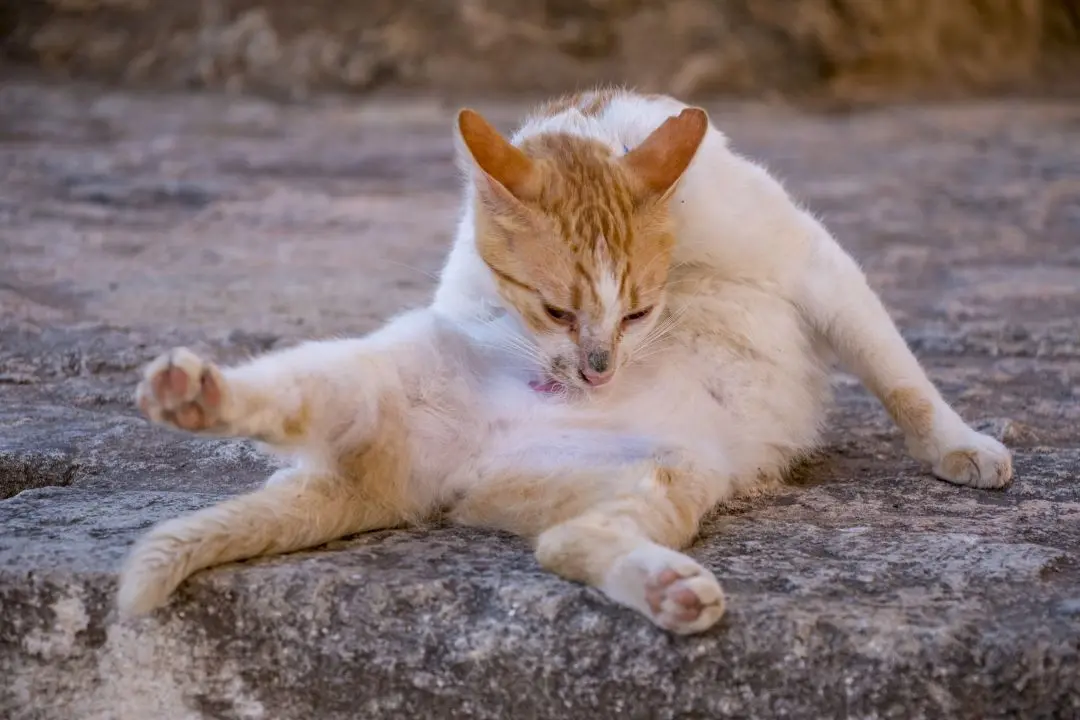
(546, 386)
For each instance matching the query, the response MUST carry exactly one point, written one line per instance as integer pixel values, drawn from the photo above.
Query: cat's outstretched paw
(980, 461)
(675, 592)
(181, 389)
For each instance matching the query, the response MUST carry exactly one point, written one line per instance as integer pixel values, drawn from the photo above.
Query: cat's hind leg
(610, 548)
(618, 531)
(839, 303)
(307, 511)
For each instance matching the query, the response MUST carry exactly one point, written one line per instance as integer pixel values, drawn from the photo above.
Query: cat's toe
(981, 462)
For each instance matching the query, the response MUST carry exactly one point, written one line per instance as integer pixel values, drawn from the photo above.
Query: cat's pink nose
(595, 379)
(598, 368)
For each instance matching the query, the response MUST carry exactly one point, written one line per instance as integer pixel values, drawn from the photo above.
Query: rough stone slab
(132, 223)
(873, 596)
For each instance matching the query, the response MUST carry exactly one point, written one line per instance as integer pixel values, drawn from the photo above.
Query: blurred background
(840, 51)
(258, 164)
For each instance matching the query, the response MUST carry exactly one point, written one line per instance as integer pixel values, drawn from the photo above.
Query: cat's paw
(979, 461)
(685, 600)
(181, 389)
(678, 594)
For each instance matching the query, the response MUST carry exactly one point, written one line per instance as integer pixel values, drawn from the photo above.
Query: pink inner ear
(663, 157)
(503, 163)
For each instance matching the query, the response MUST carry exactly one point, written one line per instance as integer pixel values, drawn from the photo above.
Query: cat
(634, 324)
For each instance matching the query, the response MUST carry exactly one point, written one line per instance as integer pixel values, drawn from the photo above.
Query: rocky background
(137, 215)
(843, 50)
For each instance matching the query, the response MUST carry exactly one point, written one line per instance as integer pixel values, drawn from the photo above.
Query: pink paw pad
(182, 390)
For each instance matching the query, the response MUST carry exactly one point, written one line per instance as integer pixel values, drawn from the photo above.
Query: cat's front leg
(839, 303)
(289, 398)
(270, 399)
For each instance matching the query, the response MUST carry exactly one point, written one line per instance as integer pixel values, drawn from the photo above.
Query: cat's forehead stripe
(583, 283)
(608, 290)
(627, 288)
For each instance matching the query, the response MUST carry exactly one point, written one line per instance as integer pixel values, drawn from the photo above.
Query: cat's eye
(635, 316)
(558, 315)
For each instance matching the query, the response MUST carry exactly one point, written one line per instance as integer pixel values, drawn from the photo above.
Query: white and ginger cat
(634, 325)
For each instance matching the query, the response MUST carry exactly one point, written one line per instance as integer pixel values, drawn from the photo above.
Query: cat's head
(578, 237)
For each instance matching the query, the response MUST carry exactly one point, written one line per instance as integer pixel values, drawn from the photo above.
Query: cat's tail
(275, 519)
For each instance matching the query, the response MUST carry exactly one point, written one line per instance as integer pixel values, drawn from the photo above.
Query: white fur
(759, 299)
(608, 290)
(767, 296)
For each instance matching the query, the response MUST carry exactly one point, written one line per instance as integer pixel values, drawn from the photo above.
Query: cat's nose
(599, 360)
(597, 368)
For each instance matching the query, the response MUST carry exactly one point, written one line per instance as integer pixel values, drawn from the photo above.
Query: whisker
(517, 345)
(650, 344)
(665, 324)
(431, 275)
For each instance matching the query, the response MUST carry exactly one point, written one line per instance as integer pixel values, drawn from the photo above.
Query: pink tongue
(546, 386)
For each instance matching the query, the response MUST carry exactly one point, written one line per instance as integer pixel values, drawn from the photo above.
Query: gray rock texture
(866, 589)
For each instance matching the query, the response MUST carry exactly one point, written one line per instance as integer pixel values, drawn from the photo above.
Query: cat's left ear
(508, 174)
(663, 157)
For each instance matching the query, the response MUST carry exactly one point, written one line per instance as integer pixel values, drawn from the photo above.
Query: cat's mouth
(547, 386)
(553, 386)
(556, 380)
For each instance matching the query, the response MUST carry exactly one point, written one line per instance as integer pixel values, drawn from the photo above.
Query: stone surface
(133, 222)
(848, 50)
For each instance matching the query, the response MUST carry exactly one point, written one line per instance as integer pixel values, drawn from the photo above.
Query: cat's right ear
(503, 172)
(660, 161)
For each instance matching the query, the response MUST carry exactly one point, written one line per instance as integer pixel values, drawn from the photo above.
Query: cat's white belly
(720, 408)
